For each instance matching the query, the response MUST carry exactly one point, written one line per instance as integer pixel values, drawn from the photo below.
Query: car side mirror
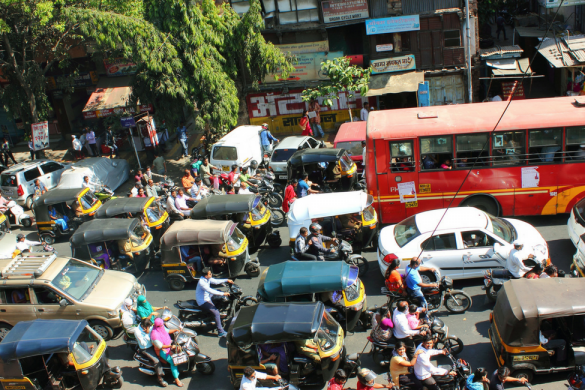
(63, 302)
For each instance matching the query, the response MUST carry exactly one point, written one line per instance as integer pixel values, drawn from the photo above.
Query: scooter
(577, 379)
(17, 213)
(104, 193)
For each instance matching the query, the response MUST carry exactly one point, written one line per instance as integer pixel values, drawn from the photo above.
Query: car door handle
(40, 309)
(2, 310)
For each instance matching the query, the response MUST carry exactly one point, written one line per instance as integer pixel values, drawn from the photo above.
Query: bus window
(472, 151)
(508, 148)
(401, 157)
(435, 151)
(545, 146)
(575, 138)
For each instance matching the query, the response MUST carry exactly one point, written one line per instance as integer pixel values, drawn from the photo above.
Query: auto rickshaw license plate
(284, 177)
(525, 357)
(225, 168)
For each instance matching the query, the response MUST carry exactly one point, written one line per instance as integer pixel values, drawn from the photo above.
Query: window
(46, 296)
(31, 174)
(477, 239)
(8, 181)
(439, 243)
(545, 146)
(15, 295)
(508, 148)
(406, 231)
(472, 151)
(225, 153)
(85, 346)
(436, 152)
(401, 157)
(313, 143)
(353, 148)
(452, 38)
(575, 138)
(50, 167)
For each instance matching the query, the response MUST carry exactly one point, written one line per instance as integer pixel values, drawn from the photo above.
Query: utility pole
(468, 52)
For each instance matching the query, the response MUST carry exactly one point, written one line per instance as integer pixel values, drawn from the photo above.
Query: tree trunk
(350, 115)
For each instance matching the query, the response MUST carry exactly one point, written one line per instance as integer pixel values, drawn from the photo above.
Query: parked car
(576, 222)
(466, 243)
(42, 285)
(18, 181)
(101, 170)
(350, 137)
(286, 148)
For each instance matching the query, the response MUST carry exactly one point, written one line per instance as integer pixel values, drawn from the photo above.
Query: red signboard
(343, 10)
(118, 110)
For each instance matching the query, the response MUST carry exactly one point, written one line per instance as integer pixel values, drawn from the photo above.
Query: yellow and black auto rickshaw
(331, 167)
(3, 224)
(304, 334)
(527, 311)
(252, 217)
(60, 211)
(55, 354)
(119, 243)
(188, 246)
(148, 209)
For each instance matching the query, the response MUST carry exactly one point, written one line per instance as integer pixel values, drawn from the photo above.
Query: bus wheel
(483, 203)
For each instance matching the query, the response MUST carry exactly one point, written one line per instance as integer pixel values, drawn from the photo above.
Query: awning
(382, 84)
(510, 67)
(112, 95)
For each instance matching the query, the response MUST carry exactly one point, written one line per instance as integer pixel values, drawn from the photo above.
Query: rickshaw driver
(251, 376)
(316, 246)
(59, 219)
(203, 295)
(515, 261)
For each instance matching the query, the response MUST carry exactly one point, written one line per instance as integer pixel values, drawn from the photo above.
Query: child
(413, 317)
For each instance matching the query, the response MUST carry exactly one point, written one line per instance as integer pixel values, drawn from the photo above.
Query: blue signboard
(392, 25)
(128, 122)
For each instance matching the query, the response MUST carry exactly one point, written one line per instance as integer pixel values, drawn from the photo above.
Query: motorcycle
(16, 213)
(277, 216)
(577, 379)
(344, 252)
(456, 301)
(196, 318)
(104, 193)
(266, 188)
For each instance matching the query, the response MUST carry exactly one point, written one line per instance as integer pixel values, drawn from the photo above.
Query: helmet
(19, 237)
(366, 375)
(254, 164)
(265, 126)
(315, 228)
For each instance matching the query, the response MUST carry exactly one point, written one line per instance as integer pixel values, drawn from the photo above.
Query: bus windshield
(406, 231)
(503, 229)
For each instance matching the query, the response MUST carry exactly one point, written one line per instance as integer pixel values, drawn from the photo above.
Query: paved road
(471, 327)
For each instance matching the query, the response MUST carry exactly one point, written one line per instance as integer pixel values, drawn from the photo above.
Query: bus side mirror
(63, 302)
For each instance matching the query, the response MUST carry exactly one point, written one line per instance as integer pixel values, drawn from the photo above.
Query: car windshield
(346, 162)
(282, 155)
(503, 229)
(225, 153)
(138, 235)
(406, 231)
(354, 148)
(8, 180)
(88, 200)
(154, 212)
(579, 210)
(77, 278)
(326, 336)
(236, 240)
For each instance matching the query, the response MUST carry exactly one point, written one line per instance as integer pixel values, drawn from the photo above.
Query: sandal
(178, 383)
(163, 383)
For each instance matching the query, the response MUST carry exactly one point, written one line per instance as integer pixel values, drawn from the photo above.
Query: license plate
(283, 177)
(7, 192)
(225, 169)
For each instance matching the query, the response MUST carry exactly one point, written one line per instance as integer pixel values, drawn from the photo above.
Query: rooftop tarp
(382, 84)
(510, 67)
(110, 172)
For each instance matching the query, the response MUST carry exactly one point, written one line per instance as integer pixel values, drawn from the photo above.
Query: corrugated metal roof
(497, 51)
(522, 66)
(575, 42)
(422, 6)
(532, 32)
(559, 55)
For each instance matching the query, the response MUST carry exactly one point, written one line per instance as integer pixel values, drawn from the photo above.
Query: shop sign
(128, 122)
(82, 80)
(307, 67)
(119, 67)
(343, 10)
(40, 134)
(557, 3)
(117, 111)
(303, 48)
(392, 25)
(386, 47)
(394, 64)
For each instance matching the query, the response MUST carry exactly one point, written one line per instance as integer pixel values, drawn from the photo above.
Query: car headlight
(114, 313)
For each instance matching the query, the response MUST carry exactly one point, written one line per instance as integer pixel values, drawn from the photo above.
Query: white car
(467, 242)
(576, 223)
(286, 148)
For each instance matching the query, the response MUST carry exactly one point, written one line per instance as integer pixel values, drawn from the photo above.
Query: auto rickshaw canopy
(276, 323)
(40, 337)
(305, 277)
(103, 230)
(312, 156)
(118, 206)
(224, 204)
(522, 304)
(55, 196)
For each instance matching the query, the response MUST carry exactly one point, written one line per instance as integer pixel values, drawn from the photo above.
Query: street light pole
(468, 50)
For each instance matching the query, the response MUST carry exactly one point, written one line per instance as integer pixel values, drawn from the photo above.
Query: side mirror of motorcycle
(63, 302)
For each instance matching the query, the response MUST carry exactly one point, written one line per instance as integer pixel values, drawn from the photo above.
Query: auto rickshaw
(298, 328)
(56, 354)
(526, 309)
(335, 283)
(321, 165)
(252, 216)
(120, 244)
(209, 240)
(346, 215)
(63, 201)
(3, 224)
(148, 209)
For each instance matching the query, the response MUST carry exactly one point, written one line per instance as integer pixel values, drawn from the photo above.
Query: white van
(240, 146)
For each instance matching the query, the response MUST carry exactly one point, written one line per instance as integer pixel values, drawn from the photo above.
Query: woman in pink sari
(162, 343)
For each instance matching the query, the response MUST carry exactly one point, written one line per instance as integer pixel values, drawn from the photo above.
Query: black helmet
(254, 164)
(19, 237)
(314, 228)
(366, 375)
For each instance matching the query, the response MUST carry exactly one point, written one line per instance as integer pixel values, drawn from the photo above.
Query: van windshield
(353, 148)
(225, 153)
(77, 278)
(282, 155)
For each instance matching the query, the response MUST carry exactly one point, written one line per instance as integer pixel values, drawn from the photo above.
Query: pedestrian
(365, 111)
(316, 120)
(203, 294)
(290, 195)
(500, 26)
(266, 139)
(90, 137)
(183, 138)
(6, 152)
(31, 149)
(111, 142)
(305, 125)
(77, 154)
(501, 376)
(83, 140)
(159, 164)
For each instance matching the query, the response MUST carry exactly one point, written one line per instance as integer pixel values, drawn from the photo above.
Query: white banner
(40, 133)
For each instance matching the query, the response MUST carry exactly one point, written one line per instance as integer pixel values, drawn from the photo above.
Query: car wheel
(519, 374)
(4, 329)
(103, 329)
(428, 277)
(29, 202)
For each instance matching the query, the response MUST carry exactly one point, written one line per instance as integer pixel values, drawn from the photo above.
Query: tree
(343, 77)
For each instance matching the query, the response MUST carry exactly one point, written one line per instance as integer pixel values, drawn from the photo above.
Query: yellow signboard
(289, 124)
(303, 48)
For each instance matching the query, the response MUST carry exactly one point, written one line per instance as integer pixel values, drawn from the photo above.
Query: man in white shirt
(403, 331)
(244, 189)
(181, 201)
(203, 295)
(173, 208)
(365, 112)
(22, 244)
(251, 376)
(515, 262)
(424, 369)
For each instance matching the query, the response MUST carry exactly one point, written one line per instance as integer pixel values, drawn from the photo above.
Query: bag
(179, 358)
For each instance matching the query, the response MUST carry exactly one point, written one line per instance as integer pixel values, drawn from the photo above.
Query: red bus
(533, 164)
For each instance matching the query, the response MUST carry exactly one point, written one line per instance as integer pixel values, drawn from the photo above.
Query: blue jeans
(198, 263)
(168, 359)
(418, 295)
(267, 148)
(317, 130)
(185, 151)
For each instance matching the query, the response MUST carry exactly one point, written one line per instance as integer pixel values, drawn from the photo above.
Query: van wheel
(4, 329)
(29, 202)
(428, 277)
(176, 284)
(528, 374)
(103, 329)
(484, 203)
(48, 239)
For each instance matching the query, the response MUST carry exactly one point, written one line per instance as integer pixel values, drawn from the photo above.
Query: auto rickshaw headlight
(357, 306)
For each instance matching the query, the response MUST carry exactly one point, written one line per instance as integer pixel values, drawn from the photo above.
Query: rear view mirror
(63, 302)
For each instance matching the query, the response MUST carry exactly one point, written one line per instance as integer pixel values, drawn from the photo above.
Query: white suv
(18, 181)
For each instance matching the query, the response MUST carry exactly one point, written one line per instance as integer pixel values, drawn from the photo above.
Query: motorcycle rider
(316, 240)
(152, 190)
(414, 283)
(251, 376)
(402, 330)
(302, 246)
(203, 295)
(145, 348)
(424, 369)
(515, 262)
(366, 380)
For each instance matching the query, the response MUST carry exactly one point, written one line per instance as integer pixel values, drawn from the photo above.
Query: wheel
(483, 203)
(519, 374)
(206, 368)
(457, 302)
(48, 239)
(274, 242)
(276, 217)
(360, 262)
(428, 277)
(252, 269)
(103, 329)
(26, 222)
(29, 202)
(250, 301)
(176, 284)
(491, 293)
(274, 200)
(4, 329)
(454, 344)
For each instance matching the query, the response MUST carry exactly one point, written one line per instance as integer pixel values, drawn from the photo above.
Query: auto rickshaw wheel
(48, 239)
(206, 368)
(4, 329)
(176, 284)
(252, 269)
(528, 374)
(103, 329)
(274, 241)
(119, 383)
(26, 222)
